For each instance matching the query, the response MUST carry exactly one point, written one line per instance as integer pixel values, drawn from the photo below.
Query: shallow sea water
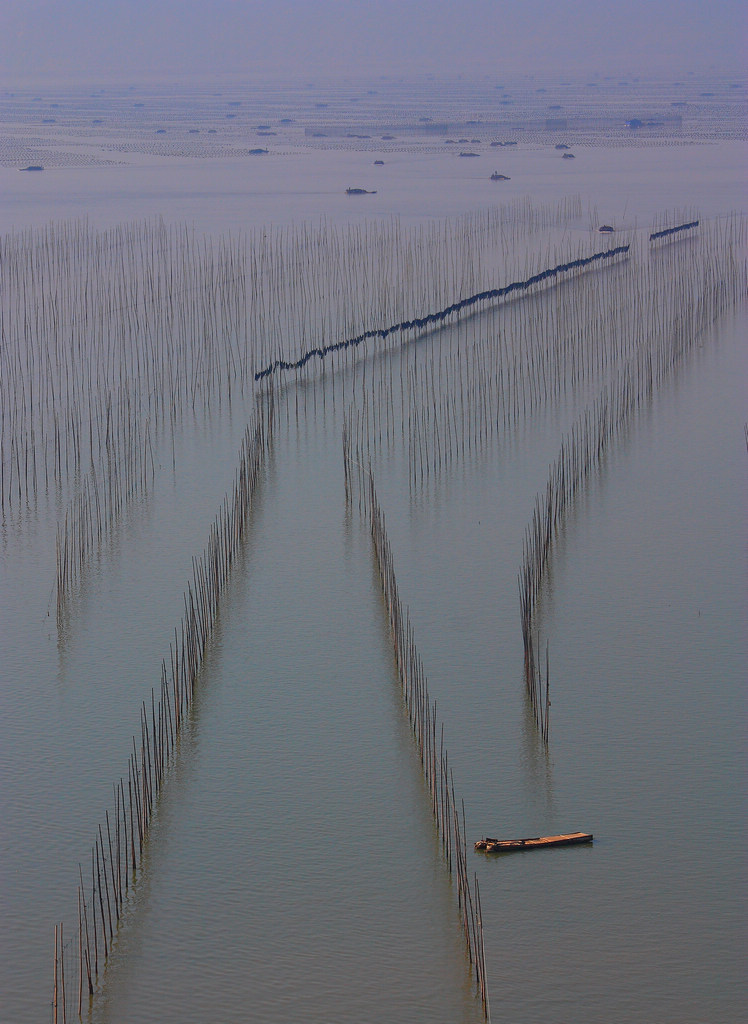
(293, 871)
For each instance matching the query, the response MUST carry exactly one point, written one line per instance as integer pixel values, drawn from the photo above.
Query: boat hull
(538, 842)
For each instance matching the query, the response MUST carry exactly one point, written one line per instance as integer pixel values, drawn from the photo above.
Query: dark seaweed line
(672, 231)
(432, 318)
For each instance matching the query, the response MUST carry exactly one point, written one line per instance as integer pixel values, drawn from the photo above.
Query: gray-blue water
(293, 871)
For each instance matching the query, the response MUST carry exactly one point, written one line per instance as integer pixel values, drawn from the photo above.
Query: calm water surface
(292, 872)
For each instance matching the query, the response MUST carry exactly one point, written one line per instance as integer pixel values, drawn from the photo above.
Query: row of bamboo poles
(110, 338)
(671, 325)
(428, 731)
(106, 887)
(447, 393)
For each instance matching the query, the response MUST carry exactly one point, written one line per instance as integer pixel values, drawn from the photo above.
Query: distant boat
(606, 229)
(500, 177)
(510, 845)
(568, 156)
(360, 192)
(469, 154)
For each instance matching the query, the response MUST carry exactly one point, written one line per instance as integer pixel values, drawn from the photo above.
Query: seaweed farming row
(678, 308)
(117, 853)
(437, 319)
(473, 385)
(428, 730)
(94, 513)
(470, 386)
(666, 232)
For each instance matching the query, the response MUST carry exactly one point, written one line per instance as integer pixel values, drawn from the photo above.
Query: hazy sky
(85, 39)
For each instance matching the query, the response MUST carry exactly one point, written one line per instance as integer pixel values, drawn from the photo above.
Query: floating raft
(509, 845)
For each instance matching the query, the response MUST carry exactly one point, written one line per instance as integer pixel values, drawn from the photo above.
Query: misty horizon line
(133, 81)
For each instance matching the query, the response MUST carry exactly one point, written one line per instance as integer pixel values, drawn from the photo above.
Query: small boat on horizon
(360, 192)
(512, 845)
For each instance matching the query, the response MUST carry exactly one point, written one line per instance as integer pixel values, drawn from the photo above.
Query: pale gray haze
(79, 39)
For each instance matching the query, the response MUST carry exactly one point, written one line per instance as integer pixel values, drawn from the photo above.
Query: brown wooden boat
(510, 845)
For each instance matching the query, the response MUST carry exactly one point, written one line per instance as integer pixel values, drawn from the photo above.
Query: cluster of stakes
(428, 731)
(110, 338)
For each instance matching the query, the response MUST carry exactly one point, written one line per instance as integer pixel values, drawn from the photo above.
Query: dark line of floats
(671, 231)
(432, 318)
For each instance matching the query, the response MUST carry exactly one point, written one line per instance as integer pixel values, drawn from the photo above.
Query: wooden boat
(510, 845)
